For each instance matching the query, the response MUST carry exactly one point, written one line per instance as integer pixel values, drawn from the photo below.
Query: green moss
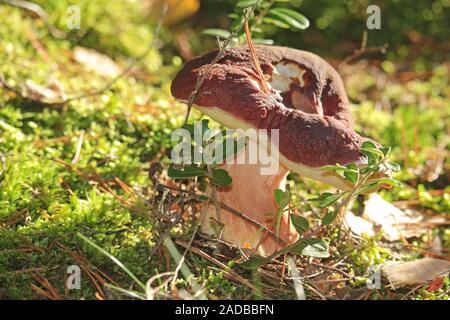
(43, 203)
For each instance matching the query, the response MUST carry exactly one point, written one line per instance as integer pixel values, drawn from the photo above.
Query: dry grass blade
(15, 218)
(51, 292)
(181, 265)
(95, 277)
(114, 259)
(130, 293)
(248, 35)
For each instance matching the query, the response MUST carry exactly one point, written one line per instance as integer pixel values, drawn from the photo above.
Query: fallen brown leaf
(97, 62)
(402, 274)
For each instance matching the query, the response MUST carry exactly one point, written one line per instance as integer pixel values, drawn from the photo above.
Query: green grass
(43, 203)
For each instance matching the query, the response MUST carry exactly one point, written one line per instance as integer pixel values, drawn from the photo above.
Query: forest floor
(85, 167)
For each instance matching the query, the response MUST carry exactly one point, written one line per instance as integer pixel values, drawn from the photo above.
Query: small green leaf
(300, 224)
(369, 145)
(291, 17)
(278, 194)
(245, 4)
(336, 167)
(254, 262)
(365, 188)
(326, 199)
(284, 18)
(221, 33)
(329, 217)
(202, 198)
(276, 22)
(351, 176)
(351, 173)
(281, 198)
(189, 171)
(390, 181)
(385, 150)
(395, 167)
(373, 184)
(312, 248)
(370, 150)
(221, 178)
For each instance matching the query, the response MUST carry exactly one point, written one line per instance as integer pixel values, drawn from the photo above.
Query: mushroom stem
(252, 194)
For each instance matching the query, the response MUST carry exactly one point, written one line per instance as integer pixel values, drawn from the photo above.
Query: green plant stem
(114, 259)
(179, 259)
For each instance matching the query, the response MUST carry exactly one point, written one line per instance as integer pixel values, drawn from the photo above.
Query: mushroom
(307, 103)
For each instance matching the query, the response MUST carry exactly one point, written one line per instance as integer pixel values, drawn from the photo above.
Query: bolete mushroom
(307, 102)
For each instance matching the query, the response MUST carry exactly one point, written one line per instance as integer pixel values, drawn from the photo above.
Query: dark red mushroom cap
(307, 102)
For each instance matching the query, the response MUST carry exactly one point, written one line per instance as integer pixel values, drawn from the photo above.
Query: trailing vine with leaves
(359, 176)
(213, 141)
(335, 203)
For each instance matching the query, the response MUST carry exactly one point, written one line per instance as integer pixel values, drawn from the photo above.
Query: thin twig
(411, 291)
(197, 226)
(331, 268)
(311, 288)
